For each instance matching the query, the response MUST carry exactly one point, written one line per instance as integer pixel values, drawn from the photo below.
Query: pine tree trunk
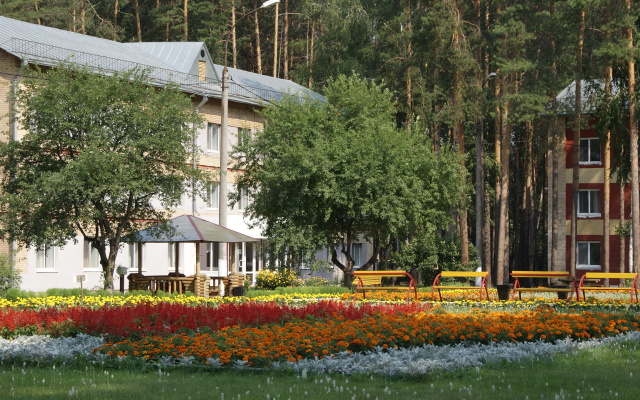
(529, 200)
(575, 186)
(409, 53)
(257, 35)
(633, 137)
(458, 134)
(623, 239)
(502, 255)
(136, 9)
(116, 10)
(310, 55)
(285, 41)
(498, 195)
(185, 20)
(83, 13)
(606, 219)
(554, 187)
(234, 48)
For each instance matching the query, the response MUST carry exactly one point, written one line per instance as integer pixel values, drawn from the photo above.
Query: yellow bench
(563, 276)
(585, 285)
(372, 280)
(460, 274)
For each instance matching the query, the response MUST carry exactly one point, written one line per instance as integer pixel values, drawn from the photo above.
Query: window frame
(212, 202)
(91, 260)
(46, 258)
(243, 198)
(243, 135)
(213, 146)
(589, 152)
(590, 212)
(589, 266)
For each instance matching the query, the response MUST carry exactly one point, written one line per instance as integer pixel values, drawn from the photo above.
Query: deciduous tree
(102, 157)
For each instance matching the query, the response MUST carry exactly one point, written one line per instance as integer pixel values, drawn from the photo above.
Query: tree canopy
(102, 156)
(332, 173)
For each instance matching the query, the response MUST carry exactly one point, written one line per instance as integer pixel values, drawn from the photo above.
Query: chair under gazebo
(187, 229)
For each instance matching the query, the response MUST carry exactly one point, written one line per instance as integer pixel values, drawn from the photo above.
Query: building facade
(590, 252)
(190, 66)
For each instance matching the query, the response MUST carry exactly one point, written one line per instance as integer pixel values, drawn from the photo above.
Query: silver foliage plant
(406, 362)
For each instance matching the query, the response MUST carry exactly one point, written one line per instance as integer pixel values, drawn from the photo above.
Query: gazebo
(186, 229)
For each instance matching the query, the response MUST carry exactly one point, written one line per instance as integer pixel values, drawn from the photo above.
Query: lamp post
(224, 133)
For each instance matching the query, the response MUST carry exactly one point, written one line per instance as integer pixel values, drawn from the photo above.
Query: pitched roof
(188, 228)
(591, 91)
(167, 62)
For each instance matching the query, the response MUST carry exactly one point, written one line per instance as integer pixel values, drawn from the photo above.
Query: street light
(224, 132)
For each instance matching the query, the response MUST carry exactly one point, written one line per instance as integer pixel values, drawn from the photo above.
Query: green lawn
(606, 372)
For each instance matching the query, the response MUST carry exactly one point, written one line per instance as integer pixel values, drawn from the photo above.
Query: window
(170, 256)
(356, 249)
(243, 202)
(46, 257)
(91, 256)
(248, 255)
(212, 254)
(243, 135)
(589, 203)
(213, 137)
(590, 151)
(133, 256)
(588, 255)
(213, 195)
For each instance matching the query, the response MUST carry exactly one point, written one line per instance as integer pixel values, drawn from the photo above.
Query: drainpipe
(14, 136)
(195, 149)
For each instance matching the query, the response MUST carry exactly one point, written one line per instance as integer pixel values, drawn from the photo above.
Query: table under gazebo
(187, 229)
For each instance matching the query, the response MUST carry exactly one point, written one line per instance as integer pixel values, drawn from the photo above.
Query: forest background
(480, 75)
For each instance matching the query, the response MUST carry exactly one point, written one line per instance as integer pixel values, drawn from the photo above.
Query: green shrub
(269, 280)
(9, 277)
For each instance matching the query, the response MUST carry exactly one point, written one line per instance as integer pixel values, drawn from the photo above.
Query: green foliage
(432, 254)
(102, 155)
(298, 290)
(313, 281)
(269, 280)
(328, 174)
(9, 278)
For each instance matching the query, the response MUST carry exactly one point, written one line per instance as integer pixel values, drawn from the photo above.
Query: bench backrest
(463, 274)
(610, 275)
(370, 278)
(542, 274)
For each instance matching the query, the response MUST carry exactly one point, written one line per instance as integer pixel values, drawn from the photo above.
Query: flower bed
(299, 339)
(264, 333)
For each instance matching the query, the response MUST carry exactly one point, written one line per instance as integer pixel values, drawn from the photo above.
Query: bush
(9, 277)
(269, 280)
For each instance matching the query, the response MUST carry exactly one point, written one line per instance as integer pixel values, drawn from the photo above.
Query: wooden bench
(587, 282)
(372, 280)
(460, 274)
(570, 287)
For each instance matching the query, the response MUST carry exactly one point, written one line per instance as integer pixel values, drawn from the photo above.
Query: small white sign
(79, 278)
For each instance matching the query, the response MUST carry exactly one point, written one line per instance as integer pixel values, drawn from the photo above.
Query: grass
(605, 372)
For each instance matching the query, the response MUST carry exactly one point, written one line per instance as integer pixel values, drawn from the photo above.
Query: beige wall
(240, 116)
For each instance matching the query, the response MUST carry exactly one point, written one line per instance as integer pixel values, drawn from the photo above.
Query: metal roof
(188, 228)
(167, 62)
(591, 91)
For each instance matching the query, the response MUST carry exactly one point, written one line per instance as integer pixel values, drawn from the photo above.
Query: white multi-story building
(190, 66)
